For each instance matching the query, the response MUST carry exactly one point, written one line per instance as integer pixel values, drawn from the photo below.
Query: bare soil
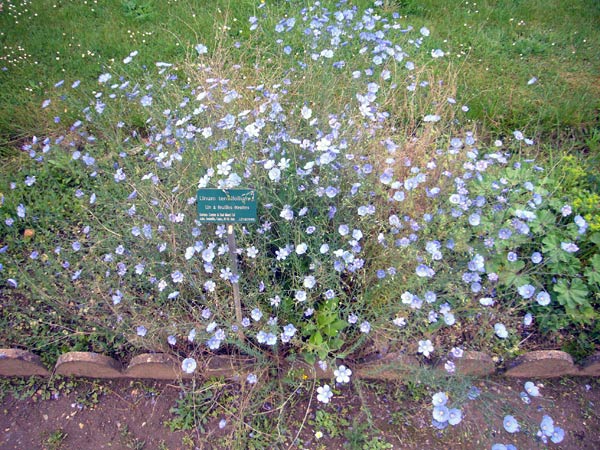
(133, 415)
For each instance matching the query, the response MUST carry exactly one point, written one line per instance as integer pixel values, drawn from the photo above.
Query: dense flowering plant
(378, 213)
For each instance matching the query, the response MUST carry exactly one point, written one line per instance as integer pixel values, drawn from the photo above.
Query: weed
(90, 393)
(331, 424)
(55, 440)
(128, 440)
(196, 406)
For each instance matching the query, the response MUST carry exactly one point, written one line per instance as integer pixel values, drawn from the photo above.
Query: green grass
(496, 47)
(72, 39)
(499, 47)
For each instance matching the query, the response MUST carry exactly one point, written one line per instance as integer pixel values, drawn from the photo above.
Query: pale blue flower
(566, 210)
(289, 330)
(532, 389)
(558, 435)
(569, 247)
(501, 331)
(510, 424)
(256, 314)
(342, 374)
(525, 398)
(454, 416)
(543, 298)
(474, 220)
(324, 393)
(547, 426)
(425, 347)
(251, 378)
(189, 365)
(526, 291)
(441, 413)
(431, 118)
(301, 248)
(287, 213)
(423, 270)
(439, 399)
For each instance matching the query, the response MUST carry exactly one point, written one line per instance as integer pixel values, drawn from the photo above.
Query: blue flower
(558, 435)
(439, 399)
(547, 426)
(569, 247)
(441, 413)
(532, 389)
(189, 365)
(256, 314)
(324, 393)
(543, 298)
(454, 416)
(510, 424)
(474, 393)
(500, 331)
(104, 78)
(504, 233)
(525, 398)
(146, 100)
(425, 347)
(536, 257)
(439, 425)
(251, 378)
(526, 291)
(423, 270)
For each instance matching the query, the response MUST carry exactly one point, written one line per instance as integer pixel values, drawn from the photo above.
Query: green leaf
(316, 339)
(571, 295)
(595, 238)
(329, 331)
(310, 358)
(543, 220)
(340, 324)
(336, 344)
(592, 273)
(324, 318)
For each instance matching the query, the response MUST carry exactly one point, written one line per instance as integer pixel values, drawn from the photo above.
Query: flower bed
(383, 220)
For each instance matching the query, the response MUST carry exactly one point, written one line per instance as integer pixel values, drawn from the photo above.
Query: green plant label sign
(226, 205)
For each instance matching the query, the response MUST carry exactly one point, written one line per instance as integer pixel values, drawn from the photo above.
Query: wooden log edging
(393, 366)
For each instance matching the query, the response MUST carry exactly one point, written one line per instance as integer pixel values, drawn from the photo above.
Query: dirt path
(134, 415)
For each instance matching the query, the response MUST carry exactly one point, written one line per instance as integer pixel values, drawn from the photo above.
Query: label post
(229, 206)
